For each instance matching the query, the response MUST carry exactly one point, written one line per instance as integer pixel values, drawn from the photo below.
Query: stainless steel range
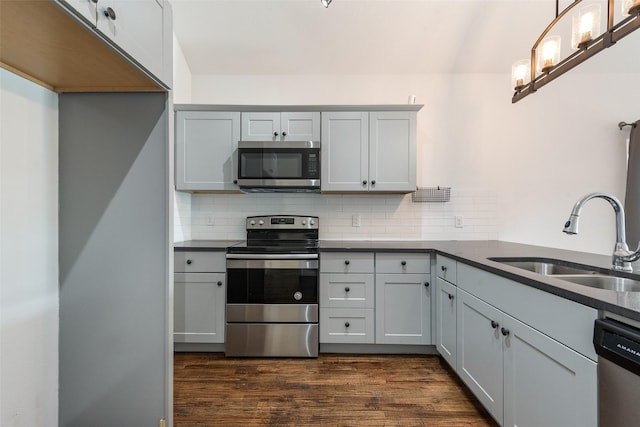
(272, 289)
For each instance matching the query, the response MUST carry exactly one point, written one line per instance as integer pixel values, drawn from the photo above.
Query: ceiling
(369, 36)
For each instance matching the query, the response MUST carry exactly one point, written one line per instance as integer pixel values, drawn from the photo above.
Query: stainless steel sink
(610, 283)
(584, 275)
(547, 267)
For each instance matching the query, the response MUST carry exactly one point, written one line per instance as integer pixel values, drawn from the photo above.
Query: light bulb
(549, 53)
(586, 26)
(520, 73)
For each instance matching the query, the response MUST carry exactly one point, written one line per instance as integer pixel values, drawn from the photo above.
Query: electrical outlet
(459, 223)
(355, 220)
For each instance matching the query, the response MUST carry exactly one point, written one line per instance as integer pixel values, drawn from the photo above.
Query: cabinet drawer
(346, 262)
(446, 268)
(346, 290)
(199, 262)
(347, 326)
(398, 263)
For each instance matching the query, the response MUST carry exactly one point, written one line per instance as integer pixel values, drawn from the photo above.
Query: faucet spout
(621, 254)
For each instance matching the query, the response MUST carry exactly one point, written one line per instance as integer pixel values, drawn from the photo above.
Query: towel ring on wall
(623, 124)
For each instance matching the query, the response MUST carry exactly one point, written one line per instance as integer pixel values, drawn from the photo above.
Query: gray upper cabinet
(369, 152)
(345, 151)
(392, 151)
(136, 27)
(206, 142)
(281, 126)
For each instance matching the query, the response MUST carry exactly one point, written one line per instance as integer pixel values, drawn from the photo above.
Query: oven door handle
(272, 256)
(272, 264)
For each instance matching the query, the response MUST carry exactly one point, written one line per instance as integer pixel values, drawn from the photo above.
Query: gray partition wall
(114, 247)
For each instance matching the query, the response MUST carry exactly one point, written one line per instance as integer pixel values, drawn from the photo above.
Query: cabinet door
(446, 321)
(479, 351)
(345, 151)
(137, 28)
(261, 126)
(87, 9)
(392, 151)
(199, 308)
(206, 142)
(545, 382)
(403, 309)
(300, 126)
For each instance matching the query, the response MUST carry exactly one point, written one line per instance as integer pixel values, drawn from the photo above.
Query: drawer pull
(450, 296)
(346, 324)
(443, 268)
(347, 289)
(219, 282)
(494, 324)
(189, 262)
(504, 331)
(346, 262)
(426, 284)
(403, 263)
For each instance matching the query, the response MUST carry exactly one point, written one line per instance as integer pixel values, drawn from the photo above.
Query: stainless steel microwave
(279, 165)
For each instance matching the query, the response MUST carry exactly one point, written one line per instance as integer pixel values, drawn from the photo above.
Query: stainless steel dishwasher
(618, 348)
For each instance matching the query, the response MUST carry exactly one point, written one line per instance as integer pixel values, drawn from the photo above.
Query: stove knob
(312, 222)
(253, 222)
(261, 222)
(297, 296)
(304, 222)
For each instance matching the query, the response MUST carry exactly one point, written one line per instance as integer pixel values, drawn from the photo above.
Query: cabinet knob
(346, 324)
(450, 296)
(373, 182)
(504, 331)
(346, 262)
(94, 1)
(284, 134)
(443, 268)
(494, 324)
(426, 284)
(110, 13)
(275, 134)
(189, 261)
(403, 263)
(364, 182)
(235, 181)
(347, 289)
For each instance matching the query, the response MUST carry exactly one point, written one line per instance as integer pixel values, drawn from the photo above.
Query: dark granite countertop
(205, 245)
(477, 252)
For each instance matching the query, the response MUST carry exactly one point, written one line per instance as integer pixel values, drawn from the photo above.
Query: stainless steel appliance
(279, 166)
(618, 348)
(272, 289)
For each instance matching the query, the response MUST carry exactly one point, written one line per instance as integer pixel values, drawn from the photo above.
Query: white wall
(28, 253)
(181, 92)
(537, 157)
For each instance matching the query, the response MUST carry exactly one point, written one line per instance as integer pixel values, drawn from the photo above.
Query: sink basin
(544, 266)
(584, 275)
(610, 283)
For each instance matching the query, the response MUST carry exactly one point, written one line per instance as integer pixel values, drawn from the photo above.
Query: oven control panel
(294, 222)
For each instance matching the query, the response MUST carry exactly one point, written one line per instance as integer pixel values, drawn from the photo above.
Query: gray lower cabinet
(403, 298)
(446, 334)
(521, 375)
(347, 298)
(206, 143)
(199, 297)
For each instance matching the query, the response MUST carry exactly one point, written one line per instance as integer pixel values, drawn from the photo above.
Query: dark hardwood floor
(332, 390)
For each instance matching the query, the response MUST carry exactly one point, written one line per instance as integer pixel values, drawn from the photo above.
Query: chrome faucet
(622, 256)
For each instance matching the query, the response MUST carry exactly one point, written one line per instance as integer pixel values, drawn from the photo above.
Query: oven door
(272, 288)
(278, 164)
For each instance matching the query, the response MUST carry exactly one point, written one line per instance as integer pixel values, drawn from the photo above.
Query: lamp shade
(586, 25)
(325, 3)
(520, 73)
(548, 53)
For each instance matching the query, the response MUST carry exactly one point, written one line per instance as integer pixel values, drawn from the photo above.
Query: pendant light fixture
(326, 3)
(545, 64)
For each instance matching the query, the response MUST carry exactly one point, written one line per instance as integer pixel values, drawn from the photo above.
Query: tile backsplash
(381, 217)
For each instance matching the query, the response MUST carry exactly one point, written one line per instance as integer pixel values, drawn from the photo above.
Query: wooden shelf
(41, 42)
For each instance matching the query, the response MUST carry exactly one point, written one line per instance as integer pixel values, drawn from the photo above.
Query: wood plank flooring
(332, 390)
